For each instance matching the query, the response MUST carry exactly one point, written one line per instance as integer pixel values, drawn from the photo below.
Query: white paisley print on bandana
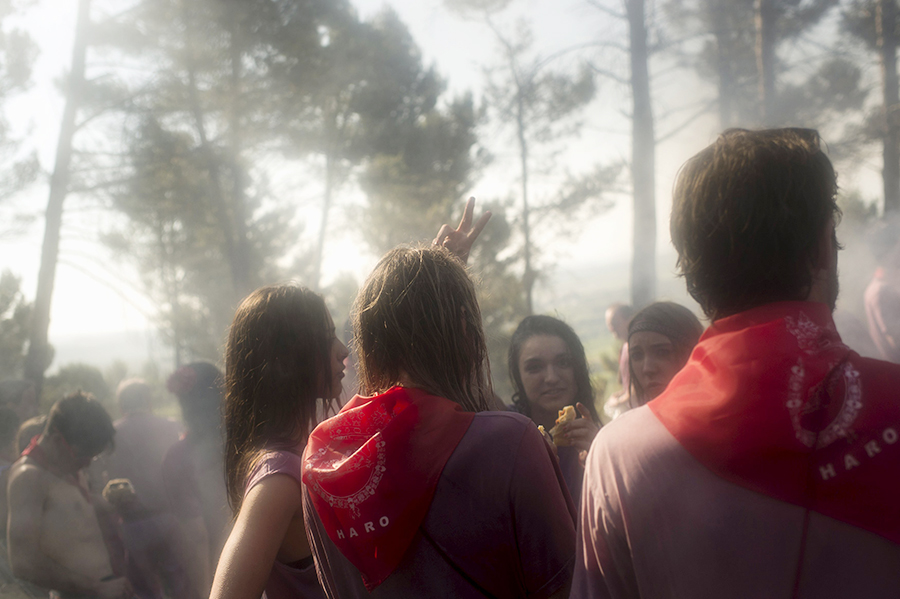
(363, 449)
(815, 342)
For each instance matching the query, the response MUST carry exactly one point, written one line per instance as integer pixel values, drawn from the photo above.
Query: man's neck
(53, 457)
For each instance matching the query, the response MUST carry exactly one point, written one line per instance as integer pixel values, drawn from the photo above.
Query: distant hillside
(134, 348)
(579, 295)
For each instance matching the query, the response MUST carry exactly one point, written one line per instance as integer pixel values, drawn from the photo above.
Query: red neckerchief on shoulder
(372, 471)
(37, 453)
(772, 400)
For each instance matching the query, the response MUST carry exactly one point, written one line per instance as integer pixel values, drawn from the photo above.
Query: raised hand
(460, 240)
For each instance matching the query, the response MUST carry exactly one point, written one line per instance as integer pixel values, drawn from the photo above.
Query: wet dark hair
(276, 360)
(417, 314)
(547, 325)
(83, 422)
(747, 215)
(674, 321)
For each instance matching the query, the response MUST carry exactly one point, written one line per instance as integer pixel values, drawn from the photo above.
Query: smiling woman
(549, 371)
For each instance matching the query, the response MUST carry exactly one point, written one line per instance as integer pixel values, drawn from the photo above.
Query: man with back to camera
(53, 535)
(768, 468)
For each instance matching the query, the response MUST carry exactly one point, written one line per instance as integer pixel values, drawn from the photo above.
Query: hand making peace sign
(460, 240)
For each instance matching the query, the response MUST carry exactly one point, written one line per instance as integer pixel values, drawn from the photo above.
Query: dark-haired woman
(661, 338)
(282, 359)
(548, 369)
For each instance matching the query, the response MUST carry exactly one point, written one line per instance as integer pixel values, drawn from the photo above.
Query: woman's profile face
(654, 362)
(547, 372)
(337, 356)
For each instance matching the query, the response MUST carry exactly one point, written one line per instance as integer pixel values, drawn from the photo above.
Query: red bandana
(372, 471)
(772, 400)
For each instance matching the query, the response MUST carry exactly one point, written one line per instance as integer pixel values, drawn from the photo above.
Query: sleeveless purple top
(286, 581)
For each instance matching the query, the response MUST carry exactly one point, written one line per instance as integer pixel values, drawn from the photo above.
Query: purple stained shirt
(500, 524)
(286, 581)
(142, 441)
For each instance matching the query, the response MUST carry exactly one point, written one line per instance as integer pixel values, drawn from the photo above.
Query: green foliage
(727, 57)
(476, 7)
(856, 212)
(233, 88)
(15, 320)
(858, 20)
(500, 293)
(413, 184)
(17, 54)
(539, 106)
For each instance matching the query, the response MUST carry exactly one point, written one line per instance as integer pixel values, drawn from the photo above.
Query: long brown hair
(417, 315)
(276, 364)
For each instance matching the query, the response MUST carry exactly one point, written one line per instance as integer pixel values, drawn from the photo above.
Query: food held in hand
(565, 415)
(119, 491)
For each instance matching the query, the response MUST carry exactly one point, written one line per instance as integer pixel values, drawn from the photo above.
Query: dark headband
(645, 326)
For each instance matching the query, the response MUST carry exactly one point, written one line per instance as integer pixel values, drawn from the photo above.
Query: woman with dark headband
(660, 340)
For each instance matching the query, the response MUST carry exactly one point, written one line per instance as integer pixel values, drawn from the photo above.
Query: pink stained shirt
(655, 523)
(286, 581)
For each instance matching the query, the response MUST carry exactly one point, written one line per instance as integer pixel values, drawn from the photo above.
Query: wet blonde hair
(417, 315)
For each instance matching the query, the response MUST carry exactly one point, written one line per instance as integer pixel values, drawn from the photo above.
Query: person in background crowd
(149, 530)
(417, 490)
(617, 318)
(855, 334)
(282, 359)
(9, 426)
(192, 469)
(548, 370)
(882, 303)
(53, 534)
(767, 468)
(660, 340)
(28, 430)
(20, 397)
(142, 441)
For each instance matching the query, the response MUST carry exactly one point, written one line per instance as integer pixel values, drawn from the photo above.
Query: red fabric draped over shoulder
(772, 400)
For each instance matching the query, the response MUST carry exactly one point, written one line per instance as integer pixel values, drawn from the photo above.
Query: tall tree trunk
(37, 359)
(643, 162)
(887, 44)
(240, 277)
(529, 276)
(323, 224)
(238, 178)
(724, 66)
(169, 284)
(765, 58)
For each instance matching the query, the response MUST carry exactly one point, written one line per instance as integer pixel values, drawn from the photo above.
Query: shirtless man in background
(54, 539)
